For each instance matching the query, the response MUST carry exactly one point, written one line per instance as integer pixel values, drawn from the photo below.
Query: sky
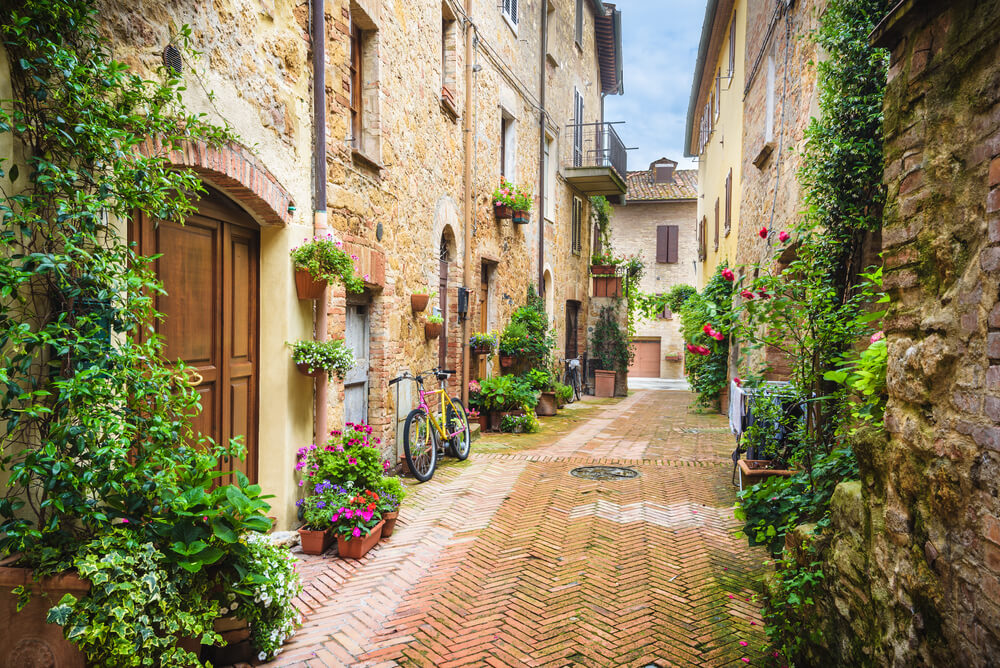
(660, 44)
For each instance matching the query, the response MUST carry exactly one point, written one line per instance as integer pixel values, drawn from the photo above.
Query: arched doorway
(209, 268)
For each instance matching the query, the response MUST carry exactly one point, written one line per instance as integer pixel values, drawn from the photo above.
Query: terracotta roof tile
(641, 186)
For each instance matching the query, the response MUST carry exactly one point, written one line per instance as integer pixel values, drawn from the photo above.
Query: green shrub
(609, 344)
(520, 424)
(506, 393)
(708, 373)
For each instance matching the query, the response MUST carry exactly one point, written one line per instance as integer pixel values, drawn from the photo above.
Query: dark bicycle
(573, 377)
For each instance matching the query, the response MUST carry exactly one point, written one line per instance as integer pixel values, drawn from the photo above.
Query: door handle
(191, 375)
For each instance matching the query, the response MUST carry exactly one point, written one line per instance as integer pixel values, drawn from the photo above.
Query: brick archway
(237, 173)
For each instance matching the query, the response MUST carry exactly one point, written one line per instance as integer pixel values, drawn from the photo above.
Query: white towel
(737, 399)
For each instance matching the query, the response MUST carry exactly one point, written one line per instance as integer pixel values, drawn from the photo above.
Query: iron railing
(594, 145)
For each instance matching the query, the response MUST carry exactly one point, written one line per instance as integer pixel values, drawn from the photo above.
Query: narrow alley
(508, 559)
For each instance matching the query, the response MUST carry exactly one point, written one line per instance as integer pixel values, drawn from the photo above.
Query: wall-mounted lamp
(463, 303)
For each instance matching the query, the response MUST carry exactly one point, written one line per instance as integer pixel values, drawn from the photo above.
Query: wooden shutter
(661, 243)
(703, 238)
(578, 129)
(672, 233)
(729, 201)
(716, 223)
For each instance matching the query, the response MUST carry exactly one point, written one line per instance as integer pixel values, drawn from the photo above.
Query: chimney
(663, 171)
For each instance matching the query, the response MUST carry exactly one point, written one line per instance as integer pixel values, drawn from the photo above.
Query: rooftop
(642, 186)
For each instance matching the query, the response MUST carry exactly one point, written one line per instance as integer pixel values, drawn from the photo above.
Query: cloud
(660, 44)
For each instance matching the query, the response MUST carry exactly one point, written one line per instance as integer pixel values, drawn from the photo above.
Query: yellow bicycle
(425, 434)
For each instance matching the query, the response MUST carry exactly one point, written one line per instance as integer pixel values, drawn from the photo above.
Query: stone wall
(913, 563)
(633, 232)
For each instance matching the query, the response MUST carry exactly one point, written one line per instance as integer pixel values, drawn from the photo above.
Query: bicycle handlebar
(406, 375)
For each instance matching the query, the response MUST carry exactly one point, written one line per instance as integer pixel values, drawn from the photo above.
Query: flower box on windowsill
(502, 211)
(522, 217)
(752, 471)
(603, 270)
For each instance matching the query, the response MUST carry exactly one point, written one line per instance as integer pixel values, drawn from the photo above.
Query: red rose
(728, 274)
(763, 233)
(746, 294)
(707, 329)
(783, 236)
(739, 383)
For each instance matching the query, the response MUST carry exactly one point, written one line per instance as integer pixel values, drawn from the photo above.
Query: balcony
(595, 162)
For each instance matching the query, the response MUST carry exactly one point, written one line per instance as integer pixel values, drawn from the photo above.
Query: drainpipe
(541, 148)
(319, 177)
(467, 255)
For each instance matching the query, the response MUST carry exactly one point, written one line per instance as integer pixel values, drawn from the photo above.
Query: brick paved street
(507, 560)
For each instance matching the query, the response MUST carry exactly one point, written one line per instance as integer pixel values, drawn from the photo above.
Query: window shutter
(672, 231)
(662, 244)
(513, 11)
(729, 201)
(598, 247)
(716, 223)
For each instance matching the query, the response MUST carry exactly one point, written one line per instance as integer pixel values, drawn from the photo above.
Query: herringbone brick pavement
(508, 560)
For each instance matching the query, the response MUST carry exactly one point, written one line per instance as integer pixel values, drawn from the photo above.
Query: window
(577, 128)
(508, 146)
(550, 178)
(666, 244)
(718, 96)
(666, 313)
(577, 225)
(579, 23)
(449, 56)
(716, 223)
(702, 239)
(732, 48)
(729, 202)
(509, 11)
(356, 103)
(769, 110)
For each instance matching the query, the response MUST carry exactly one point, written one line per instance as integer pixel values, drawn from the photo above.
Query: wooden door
(209, 269)
(443, 300)
(646, 363)
(572, 320)
(356, 380)
(484, 312)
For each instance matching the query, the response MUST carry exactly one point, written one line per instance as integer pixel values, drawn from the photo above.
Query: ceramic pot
(29, 640)
(419, 302)
(304, 370)
(308, 287)
(752, 471)
(355, 548)
(315, 542)
(604, 383)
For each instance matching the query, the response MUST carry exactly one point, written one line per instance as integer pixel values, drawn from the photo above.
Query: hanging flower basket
(308, 287)
(602, 270)
(306, 370)
(502, 211)
(432, 330)
(418, 302)
(522, 217)
(507, 361)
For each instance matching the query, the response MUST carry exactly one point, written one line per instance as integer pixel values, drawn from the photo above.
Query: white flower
(223, 611)
(235, 605)
(262, 656)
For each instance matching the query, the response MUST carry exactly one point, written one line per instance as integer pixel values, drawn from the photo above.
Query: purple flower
(321, 504)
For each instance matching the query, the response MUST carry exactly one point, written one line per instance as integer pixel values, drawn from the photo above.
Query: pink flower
(763, 294)
(762, 233)
(334, 517)
(745, 660)
(783, 236)
(718, 336)
(352, 461)
(877, 336)
(746, 294)
(367, 516)
(356, 532)
(348, 513)
(728, 275)
(707, 329)
(205, 518)
(124, 521)
(744, 643)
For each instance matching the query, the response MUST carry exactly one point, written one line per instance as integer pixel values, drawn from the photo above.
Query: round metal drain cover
(604, 473)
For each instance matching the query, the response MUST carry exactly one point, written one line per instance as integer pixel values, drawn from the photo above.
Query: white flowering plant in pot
(264, 593)
(333, 357)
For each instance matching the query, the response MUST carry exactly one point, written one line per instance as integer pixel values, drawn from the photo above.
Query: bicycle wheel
(568, 380)
(577, 387)
(460, 444)
(419, 445)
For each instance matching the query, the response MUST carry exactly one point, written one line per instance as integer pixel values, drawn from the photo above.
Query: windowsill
(510, 24)
(764, 155)
(579, 47)
(551, 59)
(448, 103)
(366, 161)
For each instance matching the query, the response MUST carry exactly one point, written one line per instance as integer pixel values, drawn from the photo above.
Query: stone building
(912, 569)
(413, 93)
(658, 223)
(714, 130)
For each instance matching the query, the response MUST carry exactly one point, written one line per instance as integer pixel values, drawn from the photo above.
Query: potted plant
(477, 410)
(503, 395)
(314, 358)
(391, 494)
(433, 326)
(317, 508)
(611, 350)
(522, 206)
(542, 381)
(419, 299)
(519, 424)
(564, 393)
(321, 262)
(604, 263)
(503, 200)
(483, 344)
(357, 524)
(527, 336)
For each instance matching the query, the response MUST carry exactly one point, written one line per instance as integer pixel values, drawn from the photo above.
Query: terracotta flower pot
(607, 286)
(496, 417)
(480, 350)
(419, 302)
(502, 212)
(308, 287)
(315, 542)
(604, 383)
(238, 648)
(432, 330)
(752, 471)
(546, 404)
(522, 217)
(29, 640)
(506, 361)
(390, 523)
(484, 422)
(355, 548)
(304, 370)
(602, 269)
